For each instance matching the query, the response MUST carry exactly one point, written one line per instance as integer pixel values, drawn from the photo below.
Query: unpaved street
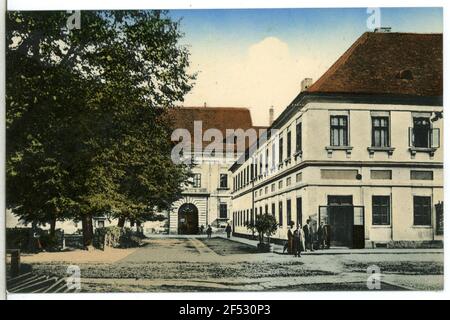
(192, 264)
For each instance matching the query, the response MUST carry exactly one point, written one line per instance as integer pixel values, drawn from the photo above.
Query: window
(272, 187)
(260, 192)
(280, 213)
(422, 211)
(381, 174)
(273, 209)
(288, 149)
(280, 184)
(288, 181)
(298, 137)
(197, 180)
(421, 175)
(223, 210)
(298, 177)
(288, 211)
(266, 209)
(280, 151)
(260, 164)
(273, 155)
(380, 131)
(100, 223)
(339, 130)
(223, 180)
(299, 211)
(266, 190)
(421, 132)
(266, 163)
(381, 210)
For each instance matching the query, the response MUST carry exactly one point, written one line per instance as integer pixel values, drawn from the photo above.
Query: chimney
(306, 83)
(271, 115)
(204, 104)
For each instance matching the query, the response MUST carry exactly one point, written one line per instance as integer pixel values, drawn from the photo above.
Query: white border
(201, 4)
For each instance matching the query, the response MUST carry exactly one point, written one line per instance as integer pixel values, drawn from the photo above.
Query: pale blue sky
(257, 57)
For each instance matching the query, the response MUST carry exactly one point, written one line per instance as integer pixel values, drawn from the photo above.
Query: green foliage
(115, 237)
(85, 117)
(265, 225)
(18, 238)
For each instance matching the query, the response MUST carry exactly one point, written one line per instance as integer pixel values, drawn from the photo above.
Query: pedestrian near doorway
(209, 231)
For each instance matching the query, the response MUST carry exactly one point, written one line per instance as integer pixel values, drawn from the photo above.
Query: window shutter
(411, 137)
(435, 135)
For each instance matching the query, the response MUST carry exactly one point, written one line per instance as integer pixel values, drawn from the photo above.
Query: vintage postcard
(216, 150)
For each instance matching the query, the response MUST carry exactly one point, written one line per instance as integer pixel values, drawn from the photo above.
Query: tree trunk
(52, 226)
(121, 222)
(88, 231)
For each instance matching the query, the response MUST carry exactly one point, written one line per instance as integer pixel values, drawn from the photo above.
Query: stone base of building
(410, 244)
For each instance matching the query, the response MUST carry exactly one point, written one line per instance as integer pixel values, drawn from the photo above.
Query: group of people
(209, 230)
(302, 238)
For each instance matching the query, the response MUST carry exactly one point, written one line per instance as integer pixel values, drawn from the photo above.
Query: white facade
(379, 184)
(210, 193)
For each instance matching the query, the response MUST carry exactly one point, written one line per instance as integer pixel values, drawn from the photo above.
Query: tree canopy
(86, 131)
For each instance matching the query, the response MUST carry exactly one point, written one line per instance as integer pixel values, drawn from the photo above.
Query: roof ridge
(339, 62)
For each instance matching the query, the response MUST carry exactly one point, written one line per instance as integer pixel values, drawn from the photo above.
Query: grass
(225, 247)
(401, 267)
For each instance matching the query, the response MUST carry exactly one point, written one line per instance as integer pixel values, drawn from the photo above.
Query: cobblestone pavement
(217, 264)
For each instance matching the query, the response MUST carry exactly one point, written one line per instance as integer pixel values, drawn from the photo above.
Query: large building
(359, 149)
(207, 199)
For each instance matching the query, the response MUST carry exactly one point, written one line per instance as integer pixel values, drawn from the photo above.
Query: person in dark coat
(228, 230)
(290, 239)
(307, 230)
(209, 231)
(322, 233)
(296, 243)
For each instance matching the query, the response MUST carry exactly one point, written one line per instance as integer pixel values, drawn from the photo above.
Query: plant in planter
(265, 225)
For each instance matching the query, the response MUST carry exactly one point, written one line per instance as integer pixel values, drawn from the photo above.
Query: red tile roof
(221, 118)
(387, 64)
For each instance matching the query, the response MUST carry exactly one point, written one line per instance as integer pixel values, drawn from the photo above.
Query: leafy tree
(86, 131)
(265, 225)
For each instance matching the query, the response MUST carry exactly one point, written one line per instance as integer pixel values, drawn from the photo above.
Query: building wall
(316, 156)
(208, 197)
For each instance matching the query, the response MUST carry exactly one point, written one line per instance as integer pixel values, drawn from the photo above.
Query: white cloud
(266, 74)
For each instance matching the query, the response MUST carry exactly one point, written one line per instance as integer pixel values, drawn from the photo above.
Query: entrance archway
(188, 219)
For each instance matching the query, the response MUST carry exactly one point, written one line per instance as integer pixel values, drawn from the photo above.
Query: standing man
(307, 230)
(322, 233)
(290, 240)
(209, 231)
(228, 230)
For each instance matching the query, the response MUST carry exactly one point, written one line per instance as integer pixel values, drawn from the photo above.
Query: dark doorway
(188, 219)
(340, 217)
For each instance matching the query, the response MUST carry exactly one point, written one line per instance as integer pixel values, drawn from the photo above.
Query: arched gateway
(188, 219)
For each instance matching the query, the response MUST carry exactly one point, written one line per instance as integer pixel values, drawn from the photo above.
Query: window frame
(197, 180)
(427, 215)
(381, 128)
(221, 175)
(339, 127)
(384, 218)
(221, 205)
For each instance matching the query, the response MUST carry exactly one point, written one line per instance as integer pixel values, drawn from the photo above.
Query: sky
(256, 58)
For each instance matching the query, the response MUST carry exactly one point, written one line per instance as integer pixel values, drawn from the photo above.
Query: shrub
(265, 225)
